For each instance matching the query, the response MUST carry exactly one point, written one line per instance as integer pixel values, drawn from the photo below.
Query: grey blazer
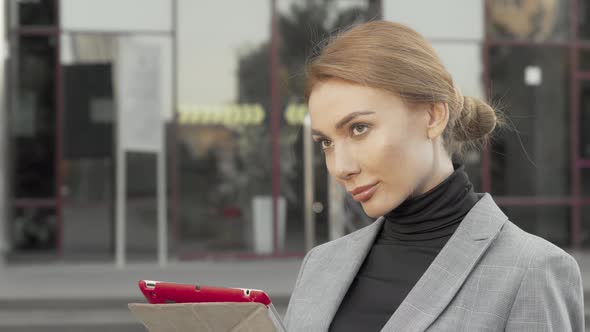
(490, 276)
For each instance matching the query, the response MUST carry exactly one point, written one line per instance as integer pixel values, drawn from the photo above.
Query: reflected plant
(254, 150)
(307, 26)
(301, 29)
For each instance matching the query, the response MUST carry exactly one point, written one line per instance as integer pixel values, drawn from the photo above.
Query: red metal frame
(126, 32)
(36, 30)
(34, 202)
(232, 255)
(55, 202)
(59, 137)
(175, 173)
(486, 153)
(106, 203)
(576, 221)
(275, 118)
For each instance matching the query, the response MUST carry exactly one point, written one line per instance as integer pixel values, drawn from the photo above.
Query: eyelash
(352, 128)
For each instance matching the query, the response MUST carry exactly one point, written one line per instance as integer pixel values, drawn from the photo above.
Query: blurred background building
(224, 79)
(174, 131)
(97, 90)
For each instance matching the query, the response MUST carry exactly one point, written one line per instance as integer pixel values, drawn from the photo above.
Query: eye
(325, 143)
(359, 129)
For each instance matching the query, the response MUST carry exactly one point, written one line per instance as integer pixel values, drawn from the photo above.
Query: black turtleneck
(411, 237)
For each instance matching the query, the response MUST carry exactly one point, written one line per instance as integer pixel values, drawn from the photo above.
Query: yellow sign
(236, 114)
(295, 113)
(228, 115)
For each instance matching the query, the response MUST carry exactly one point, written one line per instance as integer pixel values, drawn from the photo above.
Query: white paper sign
(533, 75)
(139, 71)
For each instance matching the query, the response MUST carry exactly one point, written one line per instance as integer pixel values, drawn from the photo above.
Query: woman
(440, 257)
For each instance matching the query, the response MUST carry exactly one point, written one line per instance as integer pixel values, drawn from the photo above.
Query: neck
(436, 213)
(442, 168)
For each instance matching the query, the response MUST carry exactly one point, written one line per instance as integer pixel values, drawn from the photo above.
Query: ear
(438, 117)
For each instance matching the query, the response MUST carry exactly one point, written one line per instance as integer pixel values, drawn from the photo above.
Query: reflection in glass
(36, 12)
(33, 228)
(89, 152)
(223, 142)
(222, 169)
(529, 20)
(88, 233)
(142, 207)
(88, 165)
(303, 25)
(532, 158)
(32, 120)
(89, 111)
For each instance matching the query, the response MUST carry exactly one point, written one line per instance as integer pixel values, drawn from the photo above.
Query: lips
(364, 193)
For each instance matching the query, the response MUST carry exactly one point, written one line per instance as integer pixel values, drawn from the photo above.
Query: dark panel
(32, 120)
(36, 12)
(533, 157)
(549, 222)
(89, 111)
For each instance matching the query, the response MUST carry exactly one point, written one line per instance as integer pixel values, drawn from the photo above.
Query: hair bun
(476, 120)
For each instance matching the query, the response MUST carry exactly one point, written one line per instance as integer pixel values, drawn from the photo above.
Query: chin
(376, 209)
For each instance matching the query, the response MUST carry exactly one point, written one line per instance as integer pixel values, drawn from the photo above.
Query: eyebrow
(344, 121)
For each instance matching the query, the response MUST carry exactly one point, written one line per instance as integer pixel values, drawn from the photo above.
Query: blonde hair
(395, 58)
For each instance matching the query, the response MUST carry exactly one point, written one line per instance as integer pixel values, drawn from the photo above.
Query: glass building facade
(230, 98)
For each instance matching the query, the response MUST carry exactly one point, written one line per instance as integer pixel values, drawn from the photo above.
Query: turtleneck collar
(432, 215)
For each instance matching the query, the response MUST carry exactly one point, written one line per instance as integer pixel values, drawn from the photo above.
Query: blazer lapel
(339, 270)
(443, 278)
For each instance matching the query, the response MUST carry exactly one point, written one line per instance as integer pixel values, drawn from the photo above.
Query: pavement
(94, 297)
(69, 297)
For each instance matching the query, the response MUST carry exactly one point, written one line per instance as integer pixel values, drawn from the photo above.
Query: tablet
(160, 292)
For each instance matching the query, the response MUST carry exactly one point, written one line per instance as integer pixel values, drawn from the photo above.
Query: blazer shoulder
(536, 252)
(550, 294)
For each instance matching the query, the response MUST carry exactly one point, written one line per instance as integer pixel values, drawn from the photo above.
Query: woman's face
(374, 145)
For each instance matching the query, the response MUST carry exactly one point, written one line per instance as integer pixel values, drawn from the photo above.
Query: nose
(345, 164)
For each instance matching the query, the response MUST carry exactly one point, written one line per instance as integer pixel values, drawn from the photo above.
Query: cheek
(384, 150)
(400, 160)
